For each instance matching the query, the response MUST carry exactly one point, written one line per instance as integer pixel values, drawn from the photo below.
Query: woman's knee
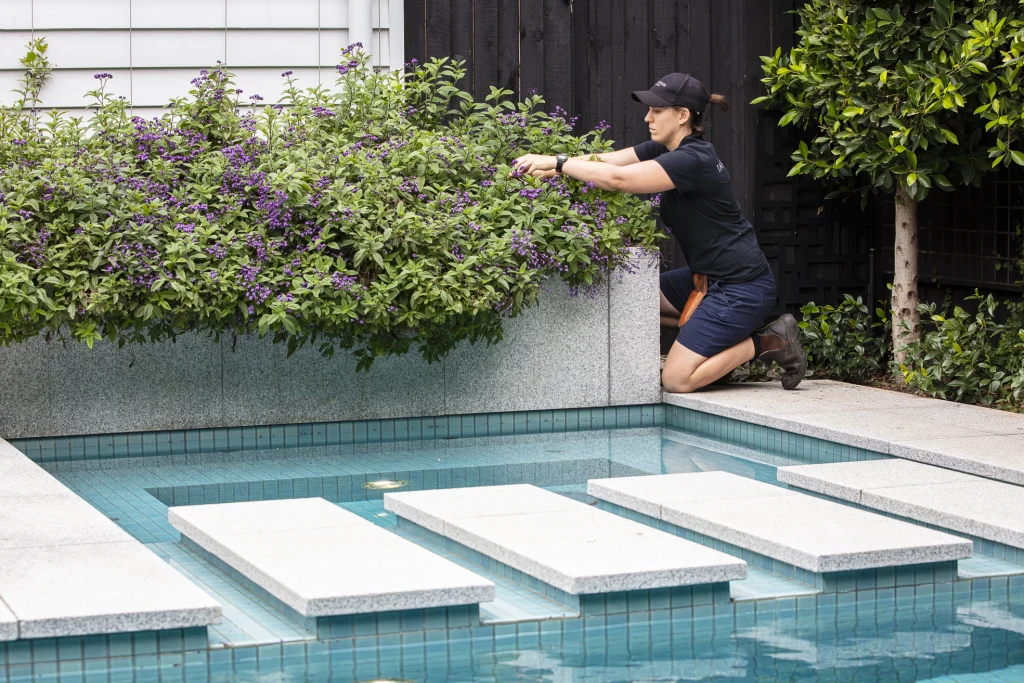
(678, 383)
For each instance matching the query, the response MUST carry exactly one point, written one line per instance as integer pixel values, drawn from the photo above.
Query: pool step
(563, 543)
(68, 570)
(321, 560)
(982, 508)
(804, 532)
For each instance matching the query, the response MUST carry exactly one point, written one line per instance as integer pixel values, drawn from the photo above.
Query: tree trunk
(906, 321)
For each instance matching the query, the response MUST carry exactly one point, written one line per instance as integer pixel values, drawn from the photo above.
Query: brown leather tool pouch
(700, 288)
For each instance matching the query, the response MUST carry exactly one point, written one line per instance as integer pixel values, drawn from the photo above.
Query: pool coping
(972, 439)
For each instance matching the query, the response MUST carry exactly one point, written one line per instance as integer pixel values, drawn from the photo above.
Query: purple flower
(339, 281)
(102, 76)
(286, 74)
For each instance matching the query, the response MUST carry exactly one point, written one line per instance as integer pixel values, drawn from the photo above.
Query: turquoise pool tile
(144, 643)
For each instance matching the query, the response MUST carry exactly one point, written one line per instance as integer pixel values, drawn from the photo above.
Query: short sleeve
(646, 151)
(684, 168)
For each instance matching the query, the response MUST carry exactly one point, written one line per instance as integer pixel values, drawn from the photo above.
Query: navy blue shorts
(728, 314)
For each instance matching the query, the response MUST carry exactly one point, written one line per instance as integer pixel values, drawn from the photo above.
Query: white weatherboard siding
(154, 48)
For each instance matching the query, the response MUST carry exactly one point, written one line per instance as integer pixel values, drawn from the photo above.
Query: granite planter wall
(568, 352)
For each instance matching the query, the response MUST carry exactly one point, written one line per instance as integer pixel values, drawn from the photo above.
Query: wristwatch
(559, 160)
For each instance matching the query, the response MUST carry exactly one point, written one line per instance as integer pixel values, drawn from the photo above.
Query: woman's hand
(537, 165)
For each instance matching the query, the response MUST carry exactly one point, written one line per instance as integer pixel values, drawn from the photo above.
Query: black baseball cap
(676, 90)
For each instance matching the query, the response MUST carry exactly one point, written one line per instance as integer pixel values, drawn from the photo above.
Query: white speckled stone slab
(807, 532)
(972, 505)
(99, 588)
(8, 623)
(845, 480)
(58, 519)
(567, 544)
(647, 494)
(322, 560)
(996, 457)
(431, 508)
(972, 439)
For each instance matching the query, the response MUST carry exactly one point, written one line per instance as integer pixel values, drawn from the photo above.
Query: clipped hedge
(375, 216)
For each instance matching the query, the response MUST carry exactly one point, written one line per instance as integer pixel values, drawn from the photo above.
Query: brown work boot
(780, 343)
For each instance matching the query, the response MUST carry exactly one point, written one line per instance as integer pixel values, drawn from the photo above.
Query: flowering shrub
(374, 216)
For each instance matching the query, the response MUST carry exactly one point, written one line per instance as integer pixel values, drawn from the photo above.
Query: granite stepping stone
(322, 560)
(801, 530)
(988, 509)
(562, 542)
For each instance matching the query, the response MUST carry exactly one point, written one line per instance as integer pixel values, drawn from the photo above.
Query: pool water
(961, 631)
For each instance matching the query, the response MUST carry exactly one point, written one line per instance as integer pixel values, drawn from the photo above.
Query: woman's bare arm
(622, 157)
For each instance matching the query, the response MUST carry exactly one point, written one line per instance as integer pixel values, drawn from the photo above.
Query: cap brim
(650, 99)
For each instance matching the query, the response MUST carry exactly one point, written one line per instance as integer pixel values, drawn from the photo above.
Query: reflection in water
(928, 637)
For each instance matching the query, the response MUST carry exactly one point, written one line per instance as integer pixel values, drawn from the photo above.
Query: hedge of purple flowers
(373, 216)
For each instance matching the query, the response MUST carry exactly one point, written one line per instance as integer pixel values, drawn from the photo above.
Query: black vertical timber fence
(588, 55)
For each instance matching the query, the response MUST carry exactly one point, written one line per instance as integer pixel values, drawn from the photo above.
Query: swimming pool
(771, 630)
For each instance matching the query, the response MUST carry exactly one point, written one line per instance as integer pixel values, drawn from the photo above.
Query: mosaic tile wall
(878, 614)
(196, 441)
(201, 441)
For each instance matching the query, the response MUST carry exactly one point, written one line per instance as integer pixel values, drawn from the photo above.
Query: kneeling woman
(720, 246)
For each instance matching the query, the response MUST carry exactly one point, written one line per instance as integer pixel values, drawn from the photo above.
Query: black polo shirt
(703, 213)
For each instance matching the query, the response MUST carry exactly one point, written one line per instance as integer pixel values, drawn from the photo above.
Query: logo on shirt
(721, 167)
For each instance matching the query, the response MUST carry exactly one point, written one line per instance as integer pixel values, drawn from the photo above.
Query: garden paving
(973, 439)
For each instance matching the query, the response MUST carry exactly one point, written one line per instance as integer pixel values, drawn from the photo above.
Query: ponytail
(697, 120)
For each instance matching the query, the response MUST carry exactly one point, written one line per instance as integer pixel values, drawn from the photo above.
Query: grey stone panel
(136, 388)
(403, 386)
(555, 355)
(311, 387)
(251, 384)
(26, 389)
(633, 314)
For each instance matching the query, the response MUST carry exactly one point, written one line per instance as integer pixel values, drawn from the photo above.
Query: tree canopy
(903, 97)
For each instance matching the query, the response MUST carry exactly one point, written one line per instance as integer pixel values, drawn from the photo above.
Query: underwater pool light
(384, 484)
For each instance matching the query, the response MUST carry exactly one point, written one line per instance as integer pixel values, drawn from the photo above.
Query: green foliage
(845, 342)
(903, 92)
(969, 357)
(375, 216)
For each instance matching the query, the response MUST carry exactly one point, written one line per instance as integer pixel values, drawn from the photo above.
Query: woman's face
(665, 123)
